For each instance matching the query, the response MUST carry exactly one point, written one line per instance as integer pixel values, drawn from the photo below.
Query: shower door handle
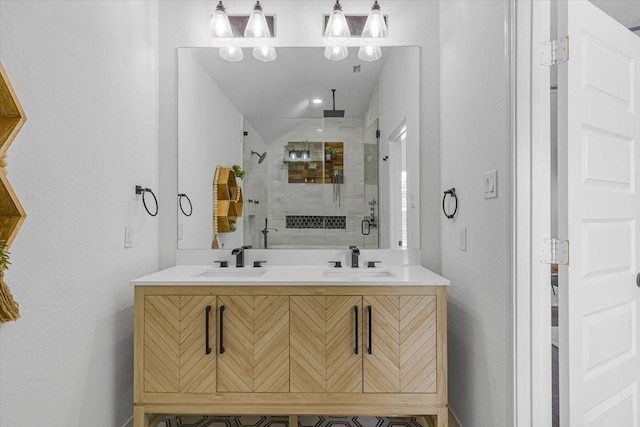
(368, 227)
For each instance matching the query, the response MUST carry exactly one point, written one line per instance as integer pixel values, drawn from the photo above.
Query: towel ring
(451, 192)
(143, 191)
(180, 196)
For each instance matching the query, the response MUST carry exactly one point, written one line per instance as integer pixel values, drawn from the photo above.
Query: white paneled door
(599, 130)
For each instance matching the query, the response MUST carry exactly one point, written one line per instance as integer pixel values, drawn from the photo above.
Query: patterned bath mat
(303, 421)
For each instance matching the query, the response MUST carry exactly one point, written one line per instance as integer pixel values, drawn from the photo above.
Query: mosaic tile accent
(316, 221)
(335, 222)
(303, 421)
(305, 221)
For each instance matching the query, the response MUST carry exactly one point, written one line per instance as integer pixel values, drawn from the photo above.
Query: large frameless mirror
(315, 168)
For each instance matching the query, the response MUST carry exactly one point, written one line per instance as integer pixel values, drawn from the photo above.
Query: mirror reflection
(312, 168)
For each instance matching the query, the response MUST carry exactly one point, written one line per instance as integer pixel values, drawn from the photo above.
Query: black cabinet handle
(355, 311)
(221, 329)
(207, 347)
(370, 349)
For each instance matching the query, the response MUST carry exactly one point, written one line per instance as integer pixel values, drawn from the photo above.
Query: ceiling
(627, 12)
(284, 88)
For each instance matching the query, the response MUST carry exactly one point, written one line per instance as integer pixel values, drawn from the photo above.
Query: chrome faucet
(355, 253)
(239, 253)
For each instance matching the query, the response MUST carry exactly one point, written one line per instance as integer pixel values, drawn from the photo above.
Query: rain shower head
(334, 112)
(261, 157)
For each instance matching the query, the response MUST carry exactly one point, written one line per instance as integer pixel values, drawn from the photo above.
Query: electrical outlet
(128, 236)
(462, 238)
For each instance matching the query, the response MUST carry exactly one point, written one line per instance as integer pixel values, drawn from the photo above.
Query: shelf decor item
(8, 306)
(237, 169)
(330, 153)
(12, 214)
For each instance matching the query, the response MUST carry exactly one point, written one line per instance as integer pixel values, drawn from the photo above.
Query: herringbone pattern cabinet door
(344, 364)
(235, 365)
(382, 366)
(271, 344)
(308, 340)
(197, 368)
(161, 344)
(418, 369)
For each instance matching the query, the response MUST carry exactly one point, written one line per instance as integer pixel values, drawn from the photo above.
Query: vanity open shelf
(290, 350)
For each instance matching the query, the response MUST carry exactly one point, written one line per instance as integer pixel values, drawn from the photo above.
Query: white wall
(208, 125)
(86, 74)
(183, 23)
(399, 84)
(474, 113)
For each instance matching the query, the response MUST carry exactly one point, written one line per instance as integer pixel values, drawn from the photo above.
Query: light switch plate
(180, 231)
(128, 236)
(462, 238)
(490, 184)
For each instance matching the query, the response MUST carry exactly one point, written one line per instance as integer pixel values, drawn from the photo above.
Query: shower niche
(314, 162)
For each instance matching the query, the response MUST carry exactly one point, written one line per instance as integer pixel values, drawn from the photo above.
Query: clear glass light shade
(257, 27)
(375, 29)
(219, 27)
(336, 53)
(337, 30)
(264, 53)
(369, 53)
(231, 53)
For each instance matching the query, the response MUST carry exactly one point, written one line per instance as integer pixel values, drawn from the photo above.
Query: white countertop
(293, 275)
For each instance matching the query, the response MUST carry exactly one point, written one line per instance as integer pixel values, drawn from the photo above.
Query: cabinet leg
(140, 418)
(293, 421)
(443, 417)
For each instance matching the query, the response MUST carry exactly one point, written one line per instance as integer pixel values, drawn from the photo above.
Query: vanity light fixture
(337, 30)
(219, 26)
(265, 53)
(258, 30)
(231, 53)
(257, 27)
(369, 53)
(336, 53)
(375, 29)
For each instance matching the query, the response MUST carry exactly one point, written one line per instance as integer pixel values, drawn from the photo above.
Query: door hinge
(378, 133)
(555, 251)
(555, 52)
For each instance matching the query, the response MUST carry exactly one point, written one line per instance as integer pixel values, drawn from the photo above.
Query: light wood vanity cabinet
(253, 354)
(174, 358)
(290, 350)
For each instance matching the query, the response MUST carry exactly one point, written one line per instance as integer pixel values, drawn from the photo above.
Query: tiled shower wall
(317, 199)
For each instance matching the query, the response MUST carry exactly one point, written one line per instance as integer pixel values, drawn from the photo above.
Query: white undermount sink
(231, 272)
(356, 274)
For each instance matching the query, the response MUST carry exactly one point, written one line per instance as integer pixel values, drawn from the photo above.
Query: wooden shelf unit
(12, 118)
(229, 202)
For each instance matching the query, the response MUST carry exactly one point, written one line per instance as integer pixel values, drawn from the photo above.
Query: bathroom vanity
(291, 340)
